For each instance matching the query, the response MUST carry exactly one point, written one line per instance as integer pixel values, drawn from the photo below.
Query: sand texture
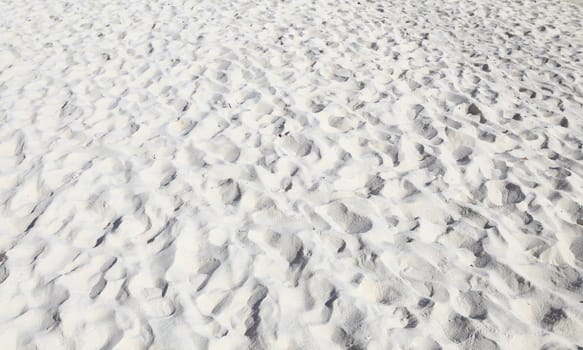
(291, 174)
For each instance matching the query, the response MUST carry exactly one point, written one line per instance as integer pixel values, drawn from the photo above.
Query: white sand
(291, 174)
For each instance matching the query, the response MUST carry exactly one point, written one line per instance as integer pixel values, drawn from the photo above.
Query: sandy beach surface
(291, 174)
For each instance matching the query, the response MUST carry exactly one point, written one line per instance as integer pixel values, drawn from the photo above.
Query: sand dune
(291, 174)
